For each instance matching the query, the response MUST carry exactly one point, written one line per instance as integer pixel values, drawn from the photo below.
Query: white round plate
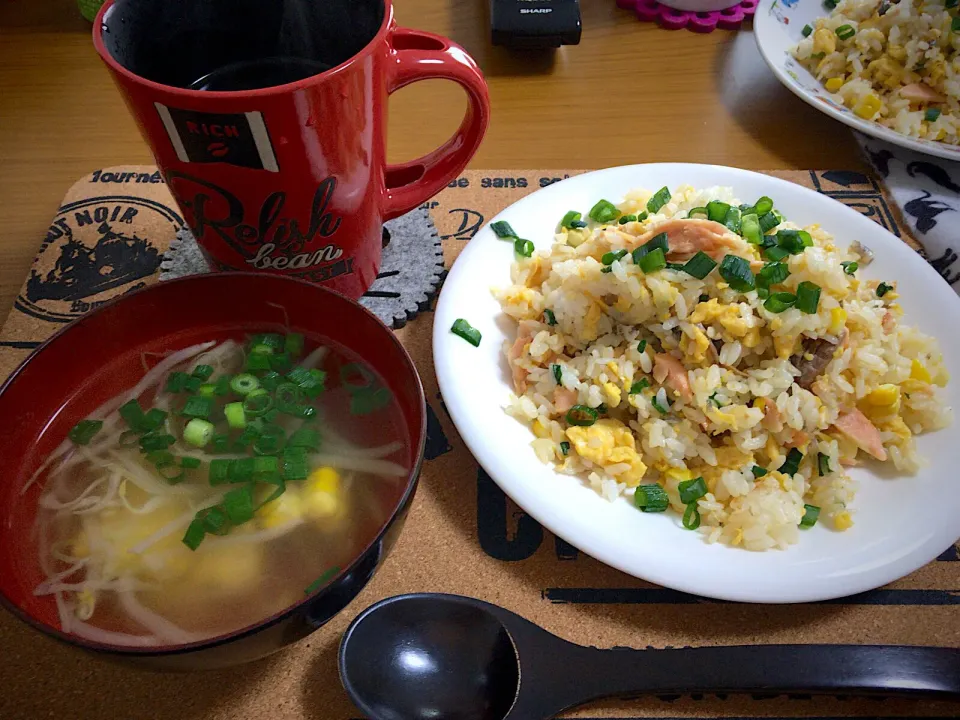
(777, 26)
(901, 522)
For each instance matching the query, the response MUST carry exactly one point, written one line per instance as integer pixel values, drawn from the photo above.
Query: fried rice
(744, 405)
(895, 63)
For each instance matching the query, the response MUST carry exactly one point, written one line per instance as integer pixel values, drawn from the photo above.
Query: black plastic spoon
(446, 657)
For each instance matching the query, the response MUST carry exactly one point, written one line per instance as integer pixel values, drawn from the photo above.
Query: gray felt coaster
(410, 272)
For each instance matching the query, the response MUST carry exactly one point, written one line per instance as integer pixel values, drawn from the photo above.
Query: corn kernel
(277, 513)
(885, 395)
(321, 493)
(834, 84)
(867, 107)
(824, 41)
(919, 372)
(838, 318)
(679, 474)
(843, 521)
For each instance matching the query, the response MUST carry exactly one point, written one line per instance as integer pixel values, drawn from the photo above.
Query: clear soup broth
(236, 478)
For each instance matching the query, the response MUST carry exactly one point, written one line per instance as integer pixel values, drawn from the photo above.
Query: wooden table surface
(630, 92)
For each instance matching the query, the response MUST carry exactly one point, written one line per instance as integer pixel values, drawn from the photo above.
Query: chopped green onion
(750, 229)
(203, 371)
(675, 266)
(642, 216)
(733, 220)
(355, 377)
(763, 293)
(244, 384)
(369, 401)
(190, 463)
(830, 4)
(780, 302)
(845, 32)
(808, 297)
(280, 362)
(236, 415)
(176, 382)
(257, 403)
(208, 390)
(272, 340)
(659, 408)
(736, 271)
(322, 580)
(465, 330)
(262, 349)
(295, 465)
(883, 289)
(215, 521)
(305, 437)
(129, 438)
(950, 4)
(198, 432)
(807, 30)
(931, 114)
(160, 457)
(222, 386)
(257, 363)
(660, 198)
(565, 448)
(758, 472)
(823, 464)
(703, 298)
(84, 431)
(763, 205)
(715, 401)
(811, 513)
(571, 217)
(523, 248)
(699, 211)
(850, 267)
(192, 384)
(293, 344)
(700, 265)
(651, 498)
(656, 242)
(691, 516)
(692, 490)
(604, 211)
(653, 261)
(557, 373)
(219, 471)
(717, 211)
(194, 535)
(609, 257)
(628, 218)
(198, 406)
(578, 224)
(289, 398)
(773, 273)
(792, 464)
(220, 443)
(241, 470)
(775, 253)
(769, 221)
(582, 416)
(606, 269)
(955, 25)
(312, 382)
(503, 230)
(156, 442)
(642, 346)
(639, 386)
(794, 241)
(238, 504)
(132, 414)
(550, 317)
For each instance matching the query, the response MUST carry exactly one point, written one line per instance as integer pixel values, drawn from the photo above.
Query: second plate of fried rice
(889, 69)
(712, 379)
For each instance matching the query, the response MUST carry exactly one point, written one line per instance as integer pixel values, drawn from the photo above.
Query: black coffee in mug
(236, 45)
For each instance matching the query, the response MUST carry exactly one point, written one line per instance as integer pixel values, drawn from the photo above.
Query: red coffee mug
(279, 165)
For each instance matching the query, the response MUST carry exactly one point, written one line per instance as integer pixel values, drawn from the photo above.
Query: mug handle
(416, 55)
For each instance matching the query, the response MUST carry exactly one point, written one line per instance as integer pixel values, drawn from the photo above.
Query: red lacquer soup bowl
(100, 355)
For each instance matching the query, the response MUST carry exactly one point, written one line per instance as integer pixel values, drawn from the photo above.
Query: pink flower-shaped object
(652, 11)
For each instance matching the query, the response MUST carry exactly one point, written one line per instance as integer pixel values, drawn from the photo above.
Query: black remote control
(535, 24)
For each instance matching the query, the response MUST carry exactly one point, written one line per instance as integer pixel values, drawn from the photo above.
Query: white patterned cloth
(927, 191)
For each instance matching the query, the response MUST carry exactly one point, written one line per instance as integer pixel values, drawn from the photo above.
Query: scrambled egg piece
(919, 372)
(228, 568)
(881, 402)
(843, 521)
(612, 393)
(838, 319)
(609, 442)
(727, 315)
(284, 510)
(695, 349)
(590, 323)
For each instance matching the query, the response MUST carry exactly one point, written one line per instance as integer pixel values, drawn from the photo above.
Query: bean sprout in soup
(232, 481)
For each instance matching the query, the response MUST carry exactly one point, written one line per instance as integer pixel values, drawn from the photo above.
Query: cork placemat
(462, 536)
